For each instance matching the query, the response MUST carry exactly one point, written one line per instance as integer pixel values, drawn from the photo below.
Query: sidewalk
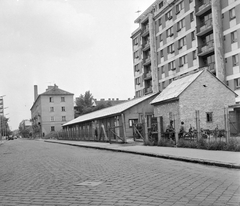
(209, 157)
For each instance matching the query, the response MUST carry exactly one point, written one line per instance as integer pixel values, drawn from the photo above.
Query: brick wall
(164, 110)
(212, 97)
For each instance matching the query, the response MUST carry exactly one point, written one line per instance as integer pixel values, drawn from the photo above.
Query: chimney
(35, 92)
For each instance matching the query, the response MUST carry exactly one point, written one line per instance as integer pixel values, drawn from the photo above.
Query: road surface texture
(39, 173)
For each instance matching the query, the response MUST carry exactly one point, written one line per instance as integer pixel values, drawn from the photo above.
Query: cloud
(44, 26)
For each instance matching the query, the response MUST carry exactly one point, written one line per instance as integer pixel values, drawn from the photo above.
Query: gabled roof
(174, 89)
(56, 91)
(113, 110)
(52, 90)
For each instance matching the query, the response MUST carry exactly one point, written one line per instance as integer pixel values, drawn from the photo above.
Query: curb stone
(184, 159)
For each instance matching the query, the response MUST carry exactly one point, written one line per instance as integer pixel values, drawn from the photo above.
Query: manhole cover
(89, 184)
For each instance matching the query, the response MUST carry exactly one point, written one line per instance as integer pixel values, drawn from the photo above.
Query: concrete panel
(227, 43)
(237, 11)
(226, 20)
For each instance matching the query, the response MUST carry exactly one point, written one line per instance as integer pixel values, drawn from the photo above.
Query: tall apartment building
(51, 109)
(176, 37)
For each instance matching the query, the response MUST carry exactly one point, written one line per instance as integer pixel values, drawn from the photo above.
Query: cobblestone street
(40, 173)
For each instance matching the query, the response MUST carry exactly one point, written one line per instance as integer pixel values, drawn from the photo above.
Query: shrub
(233, 145)
(166, 143)
(187, 143)
(216, 145)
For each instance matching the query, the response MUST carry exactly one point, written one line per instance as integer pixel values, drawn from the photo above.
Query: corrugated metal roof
(174, 89)
(109, 111)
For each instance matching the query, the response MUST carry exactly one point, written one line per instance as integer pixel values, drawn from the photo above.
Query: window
(163, 85)
(232, 14)
(237, 82)
(179, 7)
(162, 69)
(51, 109)
(160, 37)
(135, 41)
(209, 116)
(160, 5)
(193, 35)
(136, 68)
(168, 16)
(235, 60)
(234, 36)
(149, 117)
(194, 53)
(170, 49)
(182, 60)
(136, 54)
(52, 119)
(161, 53)
(191, 17)
(63, 118)
(131, 122)
(171, 65)
(160, 22)
(52, 128)
(181, 42)
(181, 24)
(50, 99)
(138, 81)
(62, 99)
(63, 109)
(170, 32)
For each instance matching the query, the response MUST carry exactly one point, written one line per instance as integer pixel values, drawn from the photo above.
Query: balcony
(211, 67)
(146, 46)
(145, 32)
(206, 49)
(147, 61)
(205, 28)
(148, 75)
(203, 8)
(148, 90)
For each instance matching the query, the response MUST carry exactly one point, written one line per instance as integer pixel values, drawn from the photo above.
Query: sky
(79, 45)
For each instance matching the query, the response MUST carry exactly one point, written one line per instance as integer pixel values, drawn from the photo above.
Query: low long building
(115, 122)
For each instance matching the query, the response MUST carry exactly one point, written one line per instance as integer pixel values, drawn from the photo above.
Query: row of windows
(63, 109)
(51, 99)
(182, 60)
(53, 119)
(181, 43)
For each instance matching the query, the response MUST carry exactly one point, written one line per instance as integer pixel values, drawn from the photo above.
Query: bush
(166, 143)
(217, 145)
(187, 144)
(233, 145)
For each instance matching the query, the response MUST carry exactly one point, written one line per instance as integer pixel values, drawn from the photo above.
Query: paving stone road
(39, 173)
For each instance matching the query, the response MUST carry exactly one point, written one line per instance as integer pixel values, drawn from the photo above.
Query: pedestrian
(181, 131)
(170, 130)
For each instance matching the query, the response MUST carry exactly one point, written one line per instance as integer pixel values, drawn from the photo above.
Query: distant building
(51, 109)
(107, 102)
(25, 124)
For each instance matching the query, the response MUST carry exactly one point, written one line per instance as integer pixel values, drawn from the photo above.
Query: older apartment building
(51, 109)
(176, 37)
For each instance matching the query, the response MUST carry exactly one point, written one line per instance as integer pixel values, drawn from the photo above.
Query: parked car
(10, 137)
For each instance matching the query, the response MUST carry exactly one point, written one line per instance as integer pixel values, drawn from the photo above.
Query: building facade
(51, 110)
(175, 37)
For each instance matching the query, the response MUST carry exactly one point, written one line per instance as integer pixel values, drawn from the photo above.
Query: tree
(84, 104)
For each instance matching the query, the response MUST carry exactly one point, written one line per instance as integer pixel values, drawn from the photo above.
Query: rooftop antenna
(138, 12)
